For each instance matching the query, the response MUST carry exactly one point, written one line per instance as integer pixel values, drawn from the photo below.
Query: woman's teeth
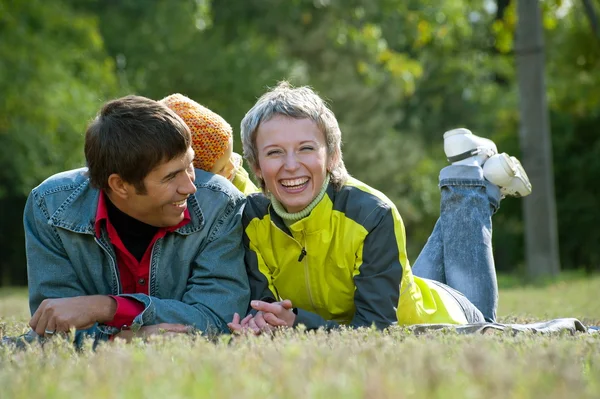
(294, 182)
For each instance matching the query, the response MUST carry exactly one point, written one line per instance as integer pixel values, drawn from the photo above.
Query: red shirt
(134, 274)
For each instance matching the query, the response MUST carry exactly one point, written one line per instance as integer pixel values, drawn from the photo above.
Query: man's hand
(238, 326)
(80, 312)
(155, 329)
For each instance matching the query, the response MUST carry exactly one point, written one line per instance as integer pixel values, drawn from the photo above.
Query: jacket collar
(315, 221)
(78, 212)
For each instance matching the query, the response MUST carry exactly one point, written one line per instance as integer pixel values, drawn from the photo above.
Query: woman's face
(292, 160)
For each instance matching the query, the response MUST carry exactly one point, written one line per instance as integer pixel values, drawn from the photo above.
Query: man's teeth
(294, 182)
(179, 203)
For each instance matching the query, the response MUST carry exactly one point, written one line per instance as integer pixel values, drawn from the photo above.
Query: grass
(349, 364)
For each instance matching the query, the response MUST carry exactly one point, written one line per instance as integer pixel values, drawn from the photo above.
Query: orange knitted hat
(210, 132)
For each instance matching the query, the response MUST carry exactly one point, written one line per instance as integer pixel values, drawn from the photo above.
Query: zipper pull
(302, 254)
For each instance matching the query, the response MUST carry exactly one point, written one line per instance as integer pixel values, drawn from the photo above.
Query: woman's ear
(257, 172)
(333, 161)
(118, 186)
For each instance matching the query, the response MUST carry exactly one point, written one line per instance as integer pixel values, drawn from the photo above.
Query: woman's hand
(276, 314)
(269, 317)
(250, 325)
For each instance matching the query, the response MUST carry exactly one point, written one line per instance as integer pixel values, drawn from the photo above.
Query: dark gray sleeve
(260, 287)
(378, 282)
(313, 321)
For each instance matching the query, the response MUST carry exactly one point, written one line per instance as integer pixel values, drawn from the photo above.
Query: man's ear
(118, 186)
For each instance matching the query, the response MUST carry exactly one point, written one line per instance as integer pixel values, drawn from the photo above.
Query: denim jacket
(197, 273)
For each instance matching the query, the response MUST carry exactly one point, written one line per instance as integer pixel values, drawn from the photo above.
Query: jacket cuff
(312, 321)
(127, 310)
(148, 314)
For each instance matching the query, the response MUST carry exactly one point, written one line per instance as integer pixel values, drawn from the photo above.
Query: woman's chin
(294, 200)
(294, 205)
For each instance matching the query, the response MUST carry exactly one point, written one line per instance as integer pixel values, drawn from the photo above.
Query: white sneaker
(507, 173)
(460, 144)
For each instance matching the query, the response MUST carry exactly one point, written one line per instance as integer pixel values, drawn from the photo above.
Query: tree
(541, 234)
(54, 75)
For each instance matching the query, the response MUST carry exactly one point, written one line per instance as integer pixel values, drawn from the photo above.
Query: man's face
(168, 186)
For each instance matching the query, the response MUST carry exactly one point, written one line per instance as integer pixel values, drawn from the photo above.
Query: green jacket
(242, 182)
(345, 263)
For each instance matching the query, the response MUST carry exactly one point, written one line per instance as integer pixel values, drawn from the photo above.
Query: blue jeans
(458, 253)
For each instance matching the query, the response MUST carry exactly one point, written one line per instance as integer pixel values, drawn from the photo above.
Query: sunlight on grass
(350, 364)
(570, 298)
(13, 304)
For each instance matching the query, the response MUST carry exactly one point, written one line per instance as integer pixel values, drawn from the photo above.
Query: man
(139, 237)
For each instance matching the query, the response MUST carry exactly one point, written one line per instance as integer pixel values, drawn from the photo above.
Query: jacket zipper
(301, 258)
(302, 254)
(306, 274)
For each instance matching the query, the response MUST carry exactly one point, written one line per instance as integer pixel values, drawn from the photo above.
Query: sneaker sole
(514, 169)
(489, 145)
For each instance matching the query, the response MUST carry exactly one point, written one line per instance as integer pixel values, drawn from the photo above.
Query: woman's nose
(291, 161)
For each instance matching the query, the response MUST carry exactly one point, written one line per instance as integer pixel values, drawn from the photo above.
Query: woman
(324, 249)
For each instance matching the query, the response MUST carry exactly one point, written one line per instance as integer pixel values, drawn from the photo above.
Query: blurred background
(397, 74)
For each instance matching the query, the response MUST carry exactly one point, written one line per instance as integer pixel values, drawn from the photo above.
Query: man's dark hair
(131, 136)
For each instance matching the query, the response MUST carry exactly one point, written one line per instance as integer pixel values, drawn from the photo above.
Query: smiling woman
(324, 249)
(292, 160)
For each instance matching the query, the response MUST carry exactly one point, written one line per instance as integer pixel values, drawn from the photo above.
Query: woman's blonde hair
(298, 103)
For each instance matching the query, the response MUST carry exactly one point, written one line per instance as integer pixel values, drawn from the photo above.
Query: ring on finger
(49, 332)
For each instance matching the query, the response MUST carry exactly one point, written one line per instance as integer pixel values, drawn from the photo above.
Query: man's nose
(187, 187)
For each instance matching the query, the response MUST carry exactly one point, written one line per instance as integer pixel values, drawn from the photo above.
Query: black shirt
(136, 235)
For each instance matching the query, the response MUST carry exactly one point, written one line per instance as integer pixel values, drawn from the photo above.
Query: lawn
(349, 364)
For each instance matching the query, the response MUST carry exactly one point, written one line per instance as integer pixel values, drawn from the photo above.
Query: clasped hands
(269, 317)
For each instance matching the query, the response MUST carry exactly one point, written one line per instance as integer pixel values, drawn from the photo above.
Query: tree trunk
(541, 238)
(590, 12)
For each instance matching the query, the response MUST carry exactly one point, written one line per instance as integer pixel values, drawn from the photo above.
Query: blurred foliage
(54, 75)
(396, 73)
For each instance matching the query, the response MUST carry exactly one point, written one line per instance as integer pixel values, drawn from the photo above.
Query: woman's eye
(273, 152)
(307, 148)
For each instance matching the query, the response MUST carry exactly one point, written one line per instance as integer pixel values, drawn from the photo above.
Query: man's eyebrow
(173, 174)
(176, 172)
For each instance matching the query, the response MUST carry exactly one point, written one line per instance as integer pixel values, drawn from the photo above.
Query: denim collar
(78, 212)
